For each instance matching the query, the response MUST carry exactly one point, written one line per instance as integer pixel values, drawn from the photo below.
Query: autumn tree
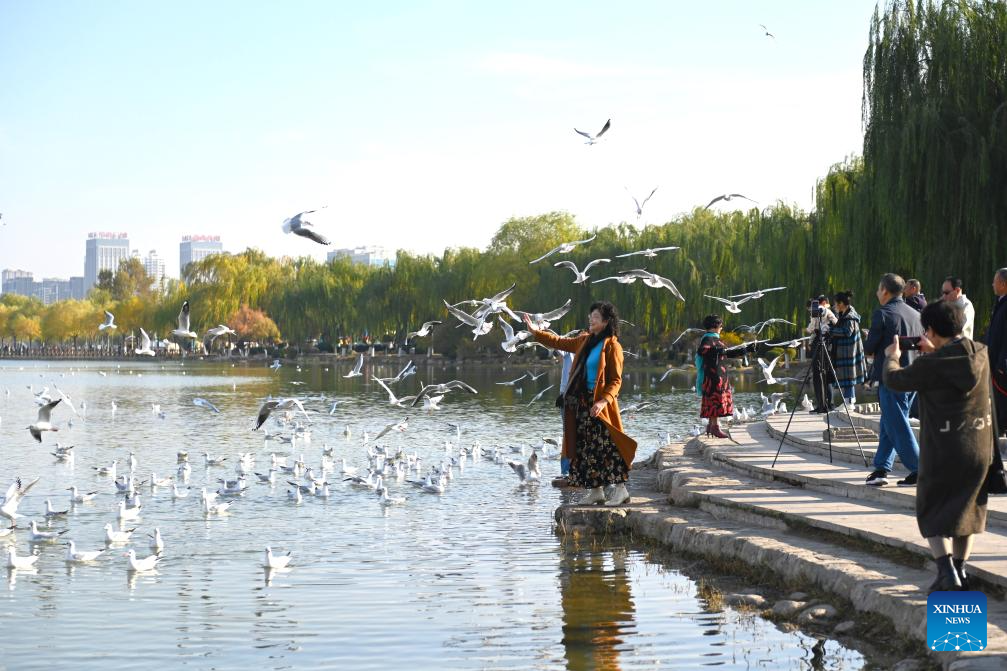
(253, 324)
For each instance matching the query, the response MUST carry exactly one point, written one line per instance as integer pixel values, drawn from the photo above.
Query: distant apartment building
(49, 290)
(154, 265)
(196, 248)
(368, 256)
(103, 251)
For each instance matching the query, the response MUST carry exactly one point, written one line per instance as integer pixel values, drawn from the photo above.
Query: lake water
(472, 579)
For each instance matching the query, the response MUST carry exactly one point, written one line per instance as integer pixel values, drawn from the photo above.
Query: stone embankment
(810, 522)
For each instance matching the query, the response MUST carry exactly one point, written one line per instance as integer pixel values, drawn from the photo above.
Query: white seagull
(564, 248)
(278, 404)
(112, 536)
(23, 562)
(424, 331)
(76, 497)
(580, 276)
(767, 372)
(527, 472)
(183, 330)
(299, 226)
(271, 561)
(42, 422)
(543, 320)
(592, 139)
(540, 394)
(203, 403)
(394, 400)
(144, 348)
(758, 293)
(511, 340)
(650, 252)
(73, 556)
(727, 198)
(732, 306)
(356, 372)
(12, 499)
(36, 536)
(109, 322)
(144, 564)
(156, 541)
(639, 205)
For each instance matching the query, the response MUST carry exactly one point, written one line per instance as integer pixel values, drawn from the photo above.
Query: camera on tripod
(816, 308)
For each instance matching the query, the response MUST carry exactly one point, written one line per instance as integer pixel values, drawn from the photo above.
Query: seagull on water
(141, 564)
(74, 556)
(42, 423)
(112, 536)
(564, 248)
(300, 226)
(109, 322)
(76, 497)
(580, 276)
(22, 562)
(37, 536)
(593, 139)
(51, 513)
(183, 330)
(527, 472)
(156, 541)
(271, 561)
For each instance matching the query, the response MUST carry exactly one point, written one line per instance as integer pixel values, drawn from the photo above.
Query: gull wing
(461, 316)
(356, 369)
(541, 393)
(722, 300)
(739, 195)
(547, 254)
(614, 277)
(508, 330)
(264, 411)
(109, 318)
(714, 201)
(514, 381)
(622, 256)
(567, 264)
(46, 410)
(183, 317)
(558, 312)
(458, 384)
(311, 235)
(581, 242)
(596, 262)
(587, 135)
(668, 284)
(144, 339)
(391, 395)
(604, 129)
(503, 294)
(640, 206)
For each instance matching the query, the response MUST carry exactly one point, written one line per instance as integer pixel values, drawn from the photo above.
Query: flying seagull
(42, 423)
(511, 340)
(409, 369)
(639, 205)
(298, 226)
(203, 403)
(579, 276)
(183, 323)
(650, 279)
(564, 248)
(540, 394)
(542, 320)
(732, 306)
(766, 30)
(425, 330)
(767, 372)
(109, 322)
(401, 402)
(758, 293)
(649, 253)
(727, 197)
(686, 332)
(144, 344)
(278, 404)
(357, 368)
(591, 139)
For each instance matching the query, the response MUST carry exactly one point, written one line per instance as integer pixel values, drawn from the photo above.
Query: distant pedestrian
(893, 318)
(712, 383)
(600, 453)
(951, 291)
(996, 343)
(848, 348)
(956, 437)
(913, 295)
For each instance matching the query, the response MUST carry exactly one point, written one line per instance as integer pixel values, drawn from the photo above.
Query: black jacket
(996, 338)
(891, 319)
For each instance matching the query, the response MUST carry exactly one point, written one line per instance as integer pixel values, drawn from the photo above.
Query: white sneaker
(619, 496)
(596, 495)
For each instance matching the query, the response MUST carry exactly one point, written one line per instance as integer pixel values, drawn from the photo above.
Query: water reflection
(597, 606)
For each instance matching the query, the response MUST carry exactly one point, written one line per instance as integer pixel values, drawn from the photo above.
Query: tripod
(818, 349)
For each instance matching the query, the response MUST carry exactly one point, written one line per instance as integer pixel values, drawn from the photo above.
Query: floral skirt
(597, 462)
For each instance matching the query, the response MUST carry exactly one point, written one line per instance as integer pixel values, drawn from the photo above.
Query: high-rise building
(104, 251)
(154, 265)
(49, 290)
(368, 256)
(20, 282)
(196, 248)
(77, 289)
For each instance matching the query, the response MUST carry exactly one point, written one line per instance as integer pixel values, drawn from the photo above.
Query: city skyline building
(49, 290)
(374, 256)
(103, 251)
(155, 266)
(196, 248)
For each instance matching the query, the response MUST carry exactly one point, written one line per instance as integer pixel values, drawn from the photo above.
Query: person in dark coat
(712, 383)
(996, 343)
(848, 348)
(956, 437)
(913, 295)
(893, 318)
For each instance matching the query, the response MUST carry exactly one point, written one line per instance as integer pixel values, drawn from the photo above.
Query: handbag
(996, 478)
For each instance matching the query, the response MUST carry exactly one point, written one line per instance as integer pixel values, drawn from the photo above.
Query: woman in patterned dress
(712, 383)
(600, 453)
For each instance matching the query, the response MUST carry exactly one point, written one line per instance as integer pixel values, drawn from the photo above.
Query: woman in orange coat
(600, 453)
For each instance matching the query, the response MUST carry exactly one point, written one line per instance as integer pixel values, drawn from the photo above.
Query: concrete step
(774, 504)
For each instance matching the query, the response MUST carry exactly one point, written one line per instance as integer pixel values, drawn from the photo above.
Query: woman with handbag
(956, 437)
(600, 453)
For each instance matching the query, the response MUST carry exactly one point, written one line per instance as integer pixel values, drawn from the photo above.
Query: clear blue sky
(421, 125)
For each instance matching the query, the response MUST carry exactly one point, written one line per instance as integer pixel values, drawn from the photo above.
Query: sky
(419, 125)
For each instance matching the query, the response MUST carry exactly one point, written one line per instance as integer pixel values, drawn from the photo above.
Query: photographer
(848, 348)
(893, 318)
(822, 320)
(956, 436)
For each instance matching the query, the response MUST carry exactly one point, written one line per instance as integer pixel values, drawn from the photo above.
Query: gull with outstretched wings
(580, 276)
(727, 197)
(639, 205)
(300, 226)
(424, 331)
(592, 139)
(564, 248)
(542, 320)
(649, 252)
(109, 322)
(732, 306)
(183, 330)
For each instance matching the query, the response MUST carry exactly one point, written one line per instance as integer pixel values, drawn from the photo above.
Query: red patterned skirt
(717, 399)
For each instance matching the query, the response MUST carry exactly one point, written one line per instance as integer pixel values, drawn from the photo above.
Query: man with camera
(822, 319)
(893, 318)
